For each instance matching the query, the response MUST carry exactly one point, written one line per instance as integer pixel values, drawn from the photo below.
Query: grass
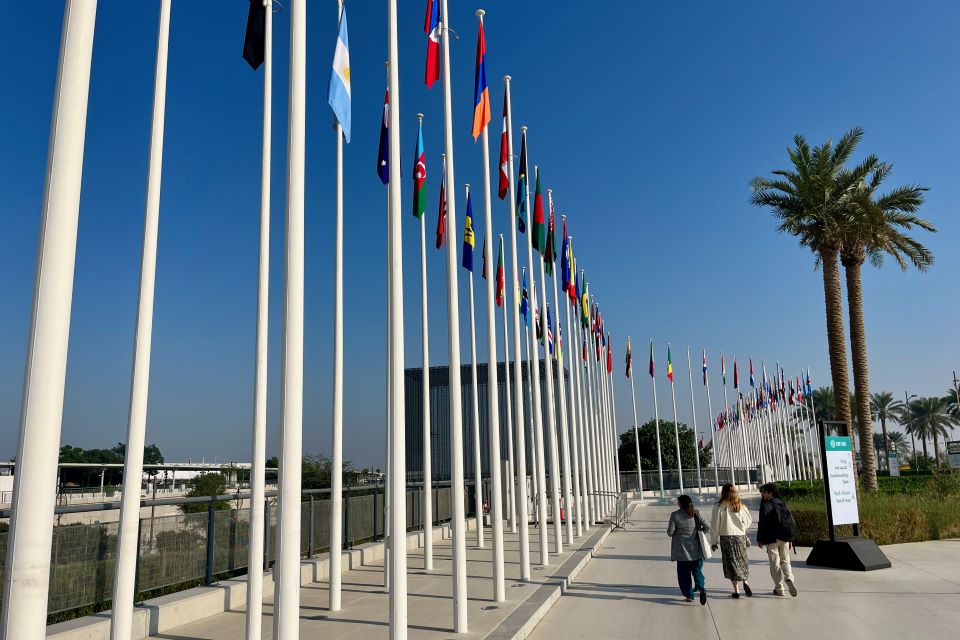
(911, 509)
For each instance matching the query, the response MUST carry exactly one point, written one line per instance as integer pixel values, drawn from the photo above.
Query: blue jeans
(689, 573)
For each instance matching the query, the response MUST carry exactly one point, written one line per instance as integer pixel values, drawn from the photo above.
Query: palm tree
(883, 406)
(933, 417)
(823, 403)
(809, 201)
(953, 405)
(874, 226)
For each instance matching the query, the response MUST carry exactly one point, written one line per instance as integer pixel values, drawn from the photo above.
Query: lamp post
(906, 407)
(956, 393)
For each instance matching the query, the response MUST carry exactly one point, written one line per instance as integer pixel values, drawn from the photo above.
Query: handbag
(704, 543)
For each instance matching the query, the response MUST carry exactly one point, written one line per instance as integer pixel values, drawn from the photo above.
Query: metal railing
(196, 547)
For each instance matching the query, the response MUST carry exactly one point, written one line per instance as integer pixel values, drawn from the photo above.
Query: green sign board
(837, 443)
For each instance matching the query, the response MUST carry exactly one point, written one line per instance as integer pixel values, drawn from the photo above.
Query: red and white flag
(431, 26)
(504, 186)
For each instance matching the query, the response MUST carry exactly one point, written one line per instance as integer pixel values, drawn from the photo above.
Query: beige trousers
(778, 553)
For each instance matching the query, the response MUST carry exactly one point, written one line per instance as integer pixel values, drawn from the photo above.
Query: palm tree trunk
(858, 349)
(836, 339)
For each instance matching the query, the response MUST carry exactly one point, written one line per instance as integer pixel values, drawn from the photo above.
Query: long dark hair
(686, 503)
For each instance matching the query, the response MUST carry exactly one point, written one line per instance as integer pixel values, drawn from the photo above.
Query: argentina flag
(338, 94)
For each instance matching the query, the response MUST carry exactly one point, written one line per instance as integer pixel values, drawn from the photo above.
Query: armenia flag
(419, 176)
(481, 94)
(338, 92)
(468, 240)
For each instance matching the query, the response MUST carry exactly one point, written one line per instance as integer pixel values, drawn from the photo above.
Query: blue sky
(647, 119)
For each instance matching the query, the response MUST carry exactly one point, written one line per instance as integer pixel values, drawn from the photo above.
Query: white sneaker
(792, 588)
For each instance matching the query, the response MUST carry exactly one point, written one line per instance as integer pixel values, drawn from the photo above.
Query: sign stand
(853, 553)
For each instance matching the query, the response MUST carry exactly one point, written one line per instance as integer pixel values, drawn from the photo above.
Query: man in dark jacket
(776, 530)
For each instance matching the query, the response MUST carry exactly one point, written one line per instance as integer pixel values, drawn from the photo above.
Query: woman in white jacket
(728, 526)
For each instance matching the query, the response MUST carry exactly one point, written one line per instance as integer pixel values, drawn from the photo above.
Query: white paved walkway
(629, 590)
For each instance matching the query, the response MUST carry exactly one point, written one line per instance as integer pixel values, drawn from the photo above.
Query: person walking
(728, 530)
(686, 529)
(776, 529)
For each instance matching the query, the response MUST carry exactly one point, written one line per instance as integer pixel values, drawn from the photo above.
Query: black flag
(253, 43)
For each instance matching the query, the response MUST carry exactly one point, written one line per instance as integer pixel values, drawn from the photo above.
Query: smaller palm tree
(884, 407)
(931, 418)
(823, 403)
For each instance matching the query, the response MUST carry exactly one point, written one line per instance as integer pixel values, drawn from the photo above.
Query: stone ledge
(159, 615)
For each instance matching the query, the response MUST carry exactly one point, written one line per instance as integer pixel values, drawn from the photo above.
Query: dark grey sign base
(849, 554)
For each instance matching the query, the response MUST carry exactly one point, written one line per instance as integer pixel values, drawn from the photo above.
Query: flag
(539, 237)
(419, 176)
(565, 261)
(431, 26)
(669, 366)
(723, 369)
(583, 299)
(704, 367)
(524, 299)
(700, 444)
(442, 213)
(481, 94)
(736, 378)
(629, 369)
(651, 358)
(483, 259)
(255, 37)
(500, 279)
(751, 371)
(549, 329)
(468, 239)
(609, 358)
(550, 251)
(584, 351)
(538, 326)
(504, 186)
(522, 186)
(383, 155)
(338, 93)
(809, 384)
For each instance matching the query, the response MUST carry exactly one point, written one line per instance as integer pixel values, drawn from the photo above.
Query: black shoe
(703, 596)
(747, 590)
(734, 595)
(779, 593)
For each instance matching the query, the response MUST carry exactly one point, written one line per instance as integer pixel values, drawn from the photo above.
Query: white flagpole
(728, 437)
(586, 480)
(493, 400)
(586, 393)
(676, 431)
(596, 463)
(636, 432)
(258, 463)
(425, 401)
(693, 409)
(398, 480)
(521, 484)
(531, 444)
(457, 522)
(575, 508)
(287, 569)
(562, 395)
(537, 405)
(551, 407)
(27, 576)
(715, 449)
(605, 428)
(511, 457)
(602, 444)
(656, 418)
(613, 422)
(121, 620)
(477, 471)
(336, 453)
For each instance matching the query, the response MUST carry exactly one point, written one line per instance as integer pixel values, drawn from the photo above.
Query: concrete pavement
(629, 591)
